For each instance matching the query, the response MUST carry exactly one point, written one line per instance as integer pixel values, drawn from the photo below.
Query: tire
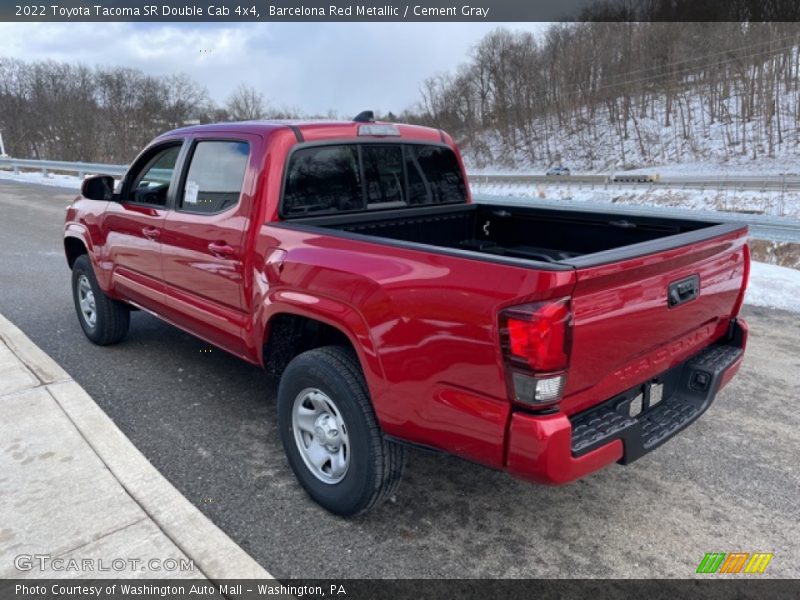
(330, 377)
(111, 318)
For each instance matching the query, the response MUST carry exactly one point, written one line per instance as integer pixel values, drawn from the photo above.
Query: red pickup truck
(349, 259)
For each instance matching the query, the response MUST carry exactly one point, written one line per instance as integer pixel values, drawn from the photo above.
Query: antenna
(366, 116)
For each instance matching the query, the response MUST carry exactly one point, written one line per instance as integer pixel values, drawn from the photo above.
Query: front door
(134, 226)
(203, 241)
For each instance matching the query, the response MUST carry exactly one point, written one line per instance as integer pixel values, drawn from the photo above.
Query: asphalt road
(731, 482)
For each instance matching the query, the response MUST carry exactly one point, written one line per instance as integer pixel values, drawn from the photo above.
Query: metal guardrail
(45, 166)
(785, 183)
(762, 227)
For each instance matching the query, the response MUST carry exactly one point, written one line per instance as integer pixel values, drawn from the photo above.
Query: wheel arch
(291, 329)
(74, 246)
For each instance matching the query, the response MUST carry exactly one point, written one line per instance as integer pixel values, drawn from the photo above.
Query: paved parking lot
(729, 483)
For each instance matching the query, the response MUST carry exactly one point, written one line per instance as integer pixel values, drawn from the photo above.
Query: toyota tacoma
(349, 259)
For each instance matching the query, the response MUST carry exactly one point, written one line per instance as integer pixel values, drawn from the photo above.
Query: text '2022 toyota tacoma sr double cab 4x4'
(349, 259)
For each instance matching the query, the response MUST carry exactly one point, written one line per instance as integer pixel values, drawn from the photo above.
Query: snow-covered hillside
(692, 139)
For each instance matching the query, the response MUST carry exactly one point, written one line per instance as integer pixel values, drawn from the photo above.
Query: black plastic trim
(455, 252)
(319, 224)
(297, 133)
(654, 246)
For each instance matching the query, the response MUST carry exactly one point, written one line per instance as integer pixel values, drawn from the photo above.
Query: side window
(323, 179)
(216, 173)
(151, 185)
(383, 176)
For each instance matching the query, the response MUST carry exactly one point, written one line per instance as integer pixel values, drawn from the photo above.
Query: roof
(311, 130)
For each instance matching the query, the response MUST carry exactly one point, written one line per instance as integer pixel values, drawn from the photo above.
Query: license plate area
(662, 406)
(649, 395)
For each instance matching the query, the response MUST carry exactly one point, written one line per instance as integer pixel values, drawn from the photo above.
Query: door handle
(683, 290)
(151, 233)
(221, 249)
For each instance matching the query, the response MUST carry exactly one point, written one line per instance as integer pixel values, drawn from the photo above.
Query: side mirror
(98, 187)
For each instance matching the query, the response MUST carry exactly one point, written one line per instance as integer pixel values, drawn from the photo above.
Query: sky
(314, 67)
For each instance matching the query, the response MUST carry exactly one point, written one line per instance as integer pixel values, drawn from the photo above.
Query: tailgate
(625, 332)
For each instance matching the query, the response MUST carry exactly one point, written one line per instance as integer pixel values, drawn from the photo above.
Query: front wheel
(331, 436)
(104, 320)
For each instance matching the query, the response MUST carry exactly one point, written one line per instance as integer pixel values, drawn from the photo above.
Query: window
(214, 180)
(434, 176)
(350, 177)
(151, 185)
(383, 176)
(323, 179)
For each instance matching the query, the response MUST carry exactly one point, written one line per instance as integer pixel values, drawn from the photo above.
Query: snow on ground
(63, 181)
(774, 287)
(593, 143)
(773, 203)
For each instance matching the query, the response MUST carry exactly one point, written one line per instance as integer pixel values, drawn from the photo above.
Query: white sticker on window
(190, 192)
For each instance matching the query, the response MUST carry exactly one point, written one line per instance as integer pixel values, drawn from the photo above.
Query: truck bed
(510, 233)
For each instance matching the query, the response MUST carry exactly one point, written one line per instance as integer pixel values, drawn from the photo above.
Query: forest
(599, 94)
(591, 94)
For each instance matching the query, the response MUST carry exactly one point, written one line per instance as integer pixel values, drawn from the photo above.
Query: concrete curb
(214, 553)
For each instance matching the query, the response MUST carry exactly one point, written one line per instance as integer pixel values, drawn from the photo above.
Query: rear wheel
(331, 436)
(104, 320)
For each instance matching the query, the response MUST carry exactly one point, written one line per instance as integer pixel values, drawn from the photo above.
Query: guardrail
(45, 166)
(778, 183)
(762, 227)
(755, 182)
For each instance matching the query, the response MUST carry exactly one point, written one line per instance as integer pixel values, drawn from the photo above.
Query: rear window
(356, 177)
(434, 176)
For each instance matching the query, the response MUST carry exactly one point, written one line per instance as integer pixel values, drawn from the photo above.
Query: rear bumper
(557, 449)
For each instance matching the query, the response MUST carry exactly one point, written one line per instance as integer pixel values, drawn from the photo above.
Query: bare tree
(634, 92)
(246, 104)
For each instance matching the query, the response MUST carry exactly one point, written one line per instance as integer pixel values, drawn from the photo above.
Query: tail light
(536, 342)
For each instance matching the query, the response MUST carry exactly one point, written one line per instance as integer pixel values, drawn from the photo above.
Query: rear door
(134, 226)
(203, 239)
(636, 318)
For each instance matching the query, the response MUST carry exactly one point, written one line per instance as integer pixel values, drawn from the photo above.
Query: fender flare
(79, 232)
(336, 314)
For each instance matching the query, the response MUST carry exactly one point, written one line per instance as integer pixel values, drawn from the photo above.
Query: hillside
(611, 96)
(692, 143)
